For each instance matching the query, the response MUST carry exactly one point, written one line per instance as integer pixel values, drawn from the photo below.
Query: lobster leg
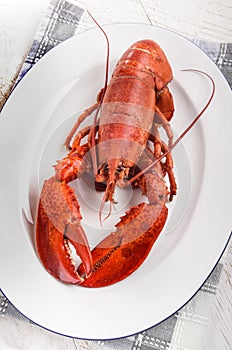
(169, 168)
(161, 119)
(159, 148)
(164, 110)
(87, 112)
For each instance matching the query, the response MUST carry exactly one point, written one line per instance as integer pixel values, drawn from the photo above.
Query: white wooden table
(19, 19)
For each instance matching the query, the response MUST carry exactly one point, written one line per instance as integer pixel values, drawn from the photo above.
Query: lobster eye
(105, 167)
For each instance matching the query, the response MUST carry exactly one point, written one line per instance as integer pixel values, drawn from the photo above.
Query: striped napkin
(192, 327)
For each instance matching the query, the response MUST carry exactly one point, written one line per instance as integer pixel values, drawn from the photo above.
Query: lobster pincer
(59, 223)
(122, 252)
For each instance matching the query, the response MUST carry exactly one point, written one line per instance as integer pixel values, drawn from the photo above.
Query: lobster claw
(58, 224)
(122, 252)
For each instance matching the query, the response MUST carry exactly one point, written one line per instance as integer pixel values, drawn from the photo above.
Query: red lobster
(123, 147)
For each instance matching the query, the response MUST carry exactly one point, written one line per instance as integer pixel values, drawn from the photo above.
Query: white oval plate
(39, 110)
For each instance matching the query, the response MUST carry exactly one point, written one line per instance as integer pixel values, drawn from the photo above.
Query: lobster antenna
(101, 94)
(184, 132)
(108, 50)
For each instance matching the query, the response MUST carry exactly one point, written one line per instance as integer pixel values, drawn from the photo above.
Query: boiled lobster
(122, 146)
